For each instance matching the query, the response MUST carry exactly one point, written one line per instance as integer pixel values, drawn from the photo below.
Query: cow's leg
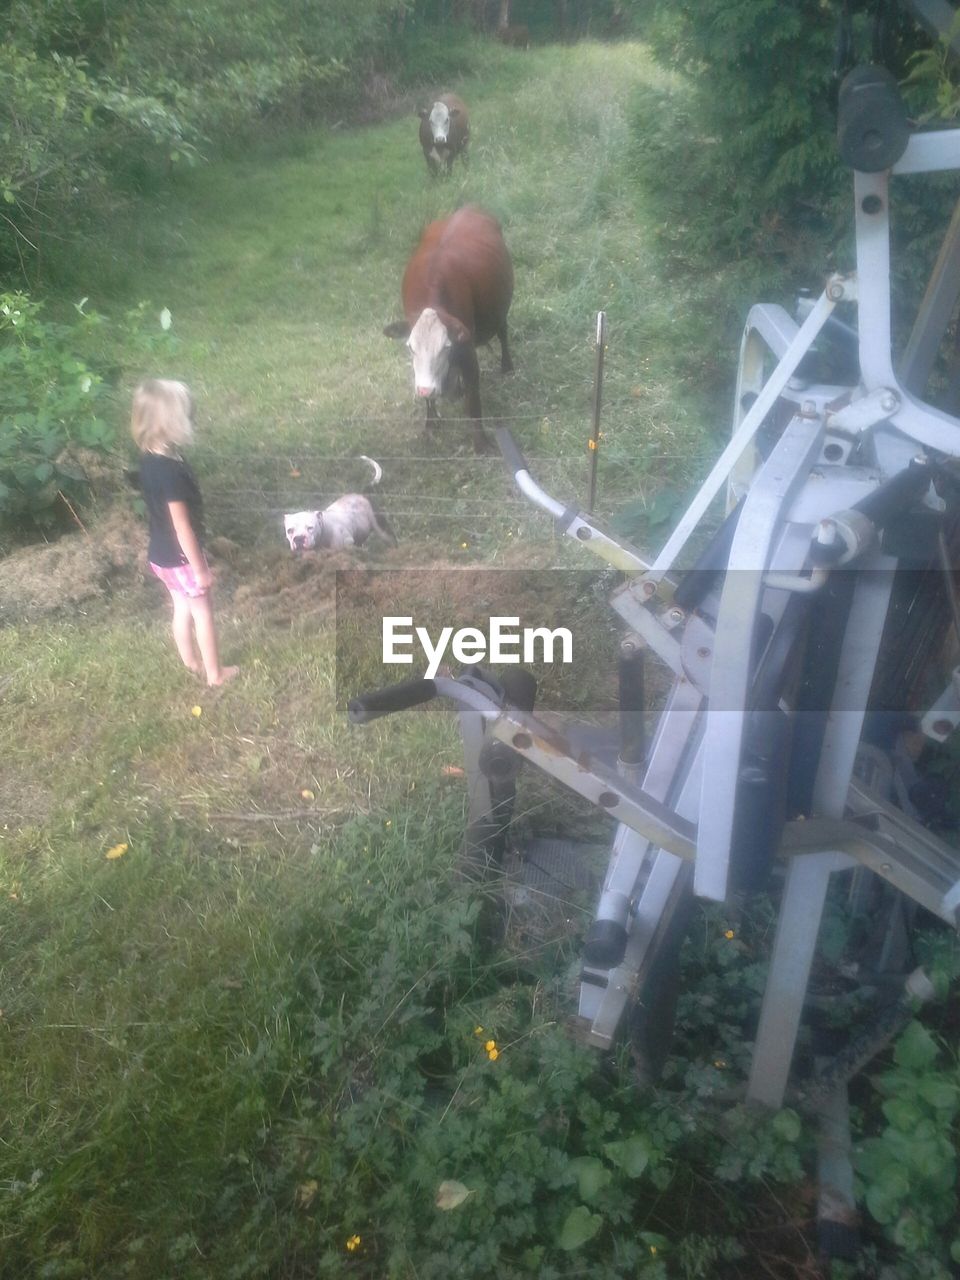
(470, 372)
(506, 364)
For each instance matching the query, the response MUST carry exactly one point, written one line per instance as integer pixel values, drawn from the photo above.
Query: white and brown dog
(348, 522)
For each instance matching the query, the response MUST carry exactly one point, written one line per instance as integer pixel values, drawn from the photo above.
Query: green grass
(281, 270)
(251, 1036)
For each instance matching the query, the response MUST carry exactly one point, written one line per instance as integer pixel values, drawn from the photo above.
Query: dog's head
(303, 529)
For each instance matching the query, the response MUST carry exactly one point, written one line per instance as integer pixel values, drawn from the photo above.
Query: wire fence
(269, 482)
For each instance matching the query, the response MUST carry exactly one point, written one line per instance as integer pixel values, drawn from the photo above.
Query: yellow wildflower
(353, 1244)
(490, 1044)
(196, 711)
(493, 1054)
(729, 935)
(117, 851)
(478, 1031)
(307, 1190)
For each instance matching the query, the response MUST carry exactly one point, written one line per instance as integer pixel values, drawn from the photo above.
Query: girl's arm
(189, 543)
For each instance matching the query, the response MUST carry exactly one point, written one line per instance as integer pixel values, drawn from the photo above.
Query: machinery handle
(872, 125)
(508, 448)
(395, 697)
(896, 494)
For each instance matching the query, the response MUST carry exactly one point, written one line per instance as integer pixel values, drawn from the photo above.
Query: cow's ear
(422, 112)
(454, 111)
(397, 329)
(458, 330)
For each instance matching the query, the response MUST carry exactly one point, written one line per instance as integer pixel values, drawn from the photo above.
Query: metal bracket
(860, 415)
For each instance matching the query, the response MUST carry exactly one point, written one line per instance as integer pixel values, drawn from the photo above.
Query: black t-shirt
(164, 480)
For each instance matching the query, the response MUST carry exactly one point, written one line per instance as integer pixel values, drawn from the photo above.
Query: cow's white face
(430, 345)
(440, 122)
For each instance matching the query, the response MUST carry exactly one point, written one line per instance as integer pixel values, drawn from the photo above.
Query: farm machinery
(801, 636)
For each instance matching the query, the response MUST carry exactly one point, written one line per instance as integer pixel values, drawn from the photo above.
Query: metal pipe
(594, 441)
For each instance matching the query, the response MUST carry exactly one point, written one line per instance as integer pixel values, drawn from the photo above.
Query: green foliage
(739, 162)
(908, 1173)
(99, 98)
(54, 384)
(752, 142)
(64, 130)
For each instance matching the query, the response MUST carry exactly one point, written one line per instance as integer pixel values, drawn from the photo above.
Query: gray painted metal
(750, 555)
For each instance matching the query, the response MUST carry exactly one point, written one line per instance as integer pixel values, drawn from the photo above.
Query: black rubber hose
(383, 702)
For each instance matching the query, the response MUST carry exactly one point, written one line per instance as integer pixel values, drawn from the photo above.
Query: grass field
(241, 990)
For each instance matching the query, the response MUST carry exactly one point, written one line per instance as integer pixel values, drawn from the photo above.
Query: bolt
(826, 533)
(522, 741)
(942, 727)
(630, 645)
(889, 402)
(649, 589)
(808, 409)
(835, 290)
(675, 617)
(703, 653)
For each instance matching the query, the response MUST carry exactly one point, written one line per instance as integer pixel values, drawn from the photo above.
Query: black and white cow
(444, 132)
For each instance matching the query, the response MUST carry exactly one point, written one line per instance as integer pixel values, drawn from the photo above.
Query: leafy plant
(53, 391)
(908, 1173)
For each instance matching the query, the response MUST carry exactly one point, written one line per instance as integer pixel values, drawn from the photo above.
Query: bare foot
(226, 673)
(194, 669)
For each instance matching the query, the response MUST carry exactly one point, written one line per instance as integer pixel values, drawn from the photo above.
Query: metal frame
(676, 824)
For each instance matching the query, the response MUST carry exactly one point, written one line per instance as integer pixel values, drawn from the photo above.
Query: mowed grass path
(145, 1036)
(281, 271)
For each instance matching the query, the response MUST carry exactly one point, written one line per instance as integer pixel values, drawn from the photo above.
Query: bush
(53, 392)
(121, 91)
(738, 160)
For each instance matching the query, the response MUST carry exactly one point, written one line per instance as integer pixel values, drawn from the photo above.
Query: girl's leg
(183, 632)
(201, 608)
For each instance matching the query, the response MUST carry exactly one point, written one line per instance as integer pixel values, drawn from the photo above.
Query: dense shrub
(97, 93)
(738, 160)
(53, 390)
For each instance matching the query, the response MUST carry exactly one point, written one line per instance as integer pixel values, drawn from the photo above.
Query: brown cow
(444, 132)
(456, 293)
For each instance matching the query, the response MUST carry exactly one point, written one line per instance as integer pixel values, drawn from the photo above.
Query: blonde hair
(162, 417)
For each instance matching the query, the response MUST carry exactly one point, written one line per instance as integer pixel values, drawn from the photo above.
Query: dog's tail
(377, 470)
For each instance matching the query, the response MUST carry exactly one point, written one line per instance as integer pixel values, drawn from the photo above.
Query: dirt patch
(79, 567)
(24, 802)
(110, 557)
(578, 676)
(284, 590)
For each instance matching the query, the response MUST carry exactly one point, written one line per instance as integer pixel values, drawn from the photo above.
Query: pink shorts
(179, 580)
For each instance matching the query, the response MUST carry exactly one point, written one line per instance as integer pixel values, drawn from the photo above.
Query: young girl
(162, 424)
